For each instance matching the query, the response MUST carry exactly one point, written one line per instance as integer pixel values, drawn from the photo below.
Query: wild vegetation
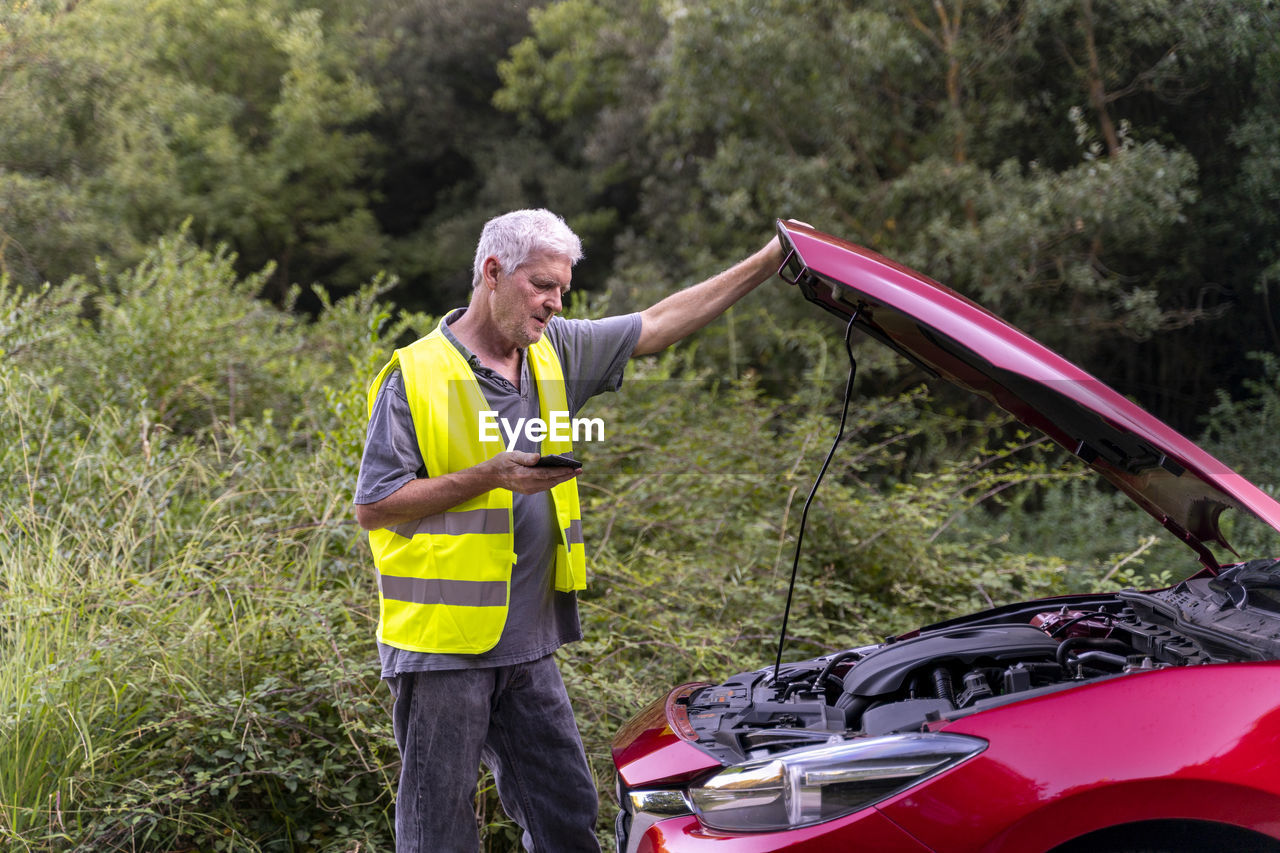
(186, 653)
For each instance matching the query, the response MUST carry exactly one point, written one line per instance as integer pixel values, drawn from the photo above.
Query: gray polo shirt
(593, 355)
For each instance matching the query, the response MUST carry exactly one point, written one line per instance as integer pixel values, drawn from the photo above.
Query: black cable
(804, 516)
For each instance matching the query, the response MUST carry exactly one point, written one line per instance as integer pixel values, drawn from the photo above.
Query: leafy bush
(1243, 431)
(185, 662)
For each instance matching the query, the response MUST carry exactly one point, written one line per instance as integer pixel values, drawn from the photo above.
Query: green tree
(450, 160)
(442, 146)
(1061, 162)
(1248, 214)
(124, 120)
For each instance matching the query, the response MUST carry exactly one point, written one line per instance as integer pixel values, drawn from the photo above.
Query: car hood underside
(949, 336)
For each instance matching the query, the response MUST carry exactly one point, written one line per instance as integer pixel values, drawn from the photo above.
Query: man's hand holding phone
(556, 460)
(527, 473)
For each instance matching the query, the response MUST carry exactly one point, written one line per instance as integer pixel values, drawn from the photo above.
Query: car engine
(1000, 656)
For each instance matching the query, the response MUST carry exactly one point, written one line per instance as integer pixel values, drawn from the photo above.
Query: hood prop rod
(804, 516)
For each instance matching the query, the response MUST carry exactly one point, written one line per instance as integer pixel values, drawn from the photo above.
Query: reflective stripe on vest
(445, 580)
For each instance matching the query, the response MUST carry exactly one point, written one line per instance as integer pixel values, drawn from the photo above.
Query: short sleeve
(593, 353)
(391, 456)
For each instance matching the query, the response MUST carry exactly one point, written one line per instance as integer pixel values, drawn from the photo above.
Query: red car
(1126, 721)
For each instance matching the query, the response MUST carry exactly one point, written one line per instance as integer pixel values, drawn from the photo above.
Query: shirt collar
(451, 317)
(472, 359)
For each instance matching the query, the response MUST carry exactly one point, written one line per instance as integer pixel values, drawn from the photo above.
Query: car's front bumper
(654, 765)
(868, 830)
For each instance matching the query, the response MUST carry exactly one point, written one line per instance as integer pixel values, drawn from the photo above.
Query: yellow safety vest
(444, 581)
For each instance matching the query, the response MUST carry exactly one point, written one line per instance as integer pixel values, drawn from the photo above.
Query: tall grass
(185, 644)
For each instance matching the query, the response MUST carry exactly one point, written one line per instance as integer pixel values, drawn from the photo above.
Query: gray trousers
(518, 721)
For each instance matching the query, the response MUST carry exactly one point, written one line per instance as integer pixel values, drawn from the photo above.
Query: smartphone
(555, 460)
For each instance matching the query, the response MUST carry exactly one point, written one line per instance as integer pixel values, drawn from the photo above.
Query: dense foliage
(1102, 173)
(186, 653)
(186, 657)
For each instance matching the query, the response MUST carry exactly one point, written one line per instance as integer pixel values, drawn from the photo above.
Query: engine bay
(989, 659)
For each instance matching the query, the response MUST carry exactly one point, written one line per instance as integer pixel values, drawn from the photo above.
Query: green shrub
(186, 658)
(1243, 433)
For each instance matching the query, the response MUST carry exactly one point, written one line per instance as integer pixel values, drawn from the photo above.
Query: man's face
(525, 300)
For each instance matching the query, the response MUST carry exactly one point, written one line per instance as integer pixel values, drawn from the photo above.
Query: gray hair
(513, 237)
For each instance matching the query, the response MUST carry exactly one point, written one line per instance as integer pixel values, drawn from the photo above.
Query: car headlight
(815, 785)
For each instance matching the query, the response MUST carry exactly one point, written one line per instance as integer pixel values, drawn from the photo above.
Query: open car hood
(950, 336)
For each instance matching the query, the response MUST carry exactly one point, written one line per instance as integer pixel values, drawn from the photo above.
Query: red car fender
(1135, 802)
(648, 751)
(1185, 743)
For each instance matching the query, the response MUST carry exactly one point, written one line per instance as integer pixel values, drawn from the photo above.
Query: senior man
(479, 550)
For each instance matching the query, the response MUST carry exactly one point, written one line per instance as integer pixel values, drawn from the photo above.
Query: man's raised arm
(683, 313)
